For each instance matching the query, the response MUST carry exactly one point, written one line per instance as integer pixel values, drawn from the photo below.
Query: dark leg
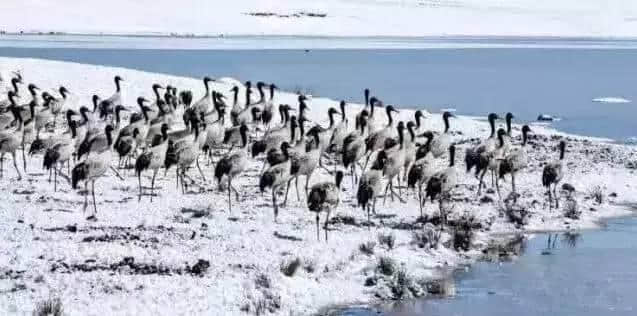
(201, 172)
(481, 181)
(139, 180)
(420, 198)
(152, 185)
(285, 201)
(229, 194)
(550, 199)
(276, 207)
(93, 192)
(296, 186)
(327, 219)
(15, 164)
(24, 159)
(317, 227)
(55, 181)
(557, 198)
(386, 190)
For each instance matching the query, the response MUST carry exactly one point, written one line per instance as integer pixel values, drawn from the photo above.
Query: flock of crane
(375, 151)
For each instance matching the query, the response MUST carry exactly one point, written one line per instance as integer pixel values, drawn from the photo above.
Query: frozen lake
(591, 273)
(558, 77)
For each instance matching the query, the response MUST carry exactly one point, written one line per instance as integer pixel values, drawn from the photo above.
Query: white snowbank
(579, 18)
(611, 100)
(245, 244)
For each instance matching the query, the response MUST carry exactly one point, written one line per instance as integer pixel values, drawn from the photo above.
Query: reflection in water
(588, 276)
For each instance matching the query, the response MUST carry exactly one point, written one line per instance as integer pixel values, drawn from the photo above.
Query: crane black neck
(508, 122)
(248, 93)
(343, 117)
(492, 124)
(261, 93)
(156, 90)
(561, 152)
(446, 119)
(411, 133)
(271, 92)
(117, 86)
(524, 137)
(331, 115)
(14, 83)
(73, 127)
(109, 137)
(417, 121)
(390, 119)
(452, 156)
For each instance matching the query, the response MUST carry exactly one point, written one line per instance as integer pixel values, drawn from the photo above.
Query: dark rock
(200, 267)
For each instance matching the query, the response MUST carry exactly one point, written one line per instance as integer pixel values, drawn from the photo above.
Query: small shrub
(367, 248)
(463, 232)
(386, 265)
(402, 286)
(50, 307)
(597, 194)
(289, 268)
(263, 281)
(571, 209)
(309, 266)
(388, 240)
(420, 239)
(516, 213)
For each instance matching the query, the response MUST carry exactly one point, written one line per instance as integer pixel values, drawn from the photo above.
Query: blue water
(526, 81)
(594, 276)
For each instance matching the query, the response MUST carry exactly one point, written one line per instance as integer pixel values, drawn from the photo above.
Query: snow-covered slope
(597, 18)
(137, 257)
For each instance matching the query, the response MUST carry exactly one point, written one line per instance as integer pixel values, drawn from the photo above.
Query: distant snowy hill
(589, 18)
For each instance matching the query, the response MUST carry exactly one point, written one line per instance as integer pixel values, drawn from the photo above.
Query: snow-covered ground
(588, 18)
(137, 257)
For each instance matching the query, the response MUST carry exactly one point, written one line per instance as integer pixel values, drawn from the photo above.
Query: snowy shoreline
(61, 254)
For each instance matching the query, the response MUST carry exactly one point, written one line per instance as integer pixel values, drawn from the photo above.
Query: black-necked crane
(489, 161)
(233, 164)
(376, 140)
(187, 152)
(107, 106)
(358, 116)
(96, 144)
(394, 164)
(268, 109)
(472, 154)
(60, 153)
(422, 169)
(275, 177)
(440, 144)
(94, 167)
(304, 163)
(552, 174)
(325, 197)
(409, 147)
(418, 116)
(11, 140)
(17, 79)
(276, 136)
(339, 131)
(125, 147)
(57, 104)
(516, 160)
(507, 138)
(203, 104)
(441, 184)
(370, 186)
(354, 146)
(152, 159)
